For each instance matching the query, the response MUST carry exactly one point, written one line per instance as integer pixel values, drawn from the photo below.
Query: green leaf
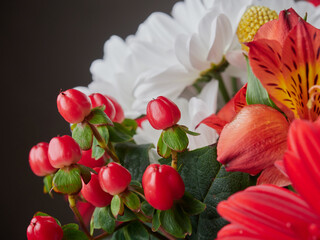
(162, 148)
(134, 157)
(97, 150)
(127, 216)
(116, 206)
(146, 208)
(156, 223)
(131, 125)
(67, 180)
(135, 231)
(106, 220)
(83, 135)
(176, 222)
(206, 180)
(186, 130)
(256, 93)
(47, 184)
(175, 138)
(131, 200)
(71, 232)
(191, 205)
(119, 133)
(99, 117)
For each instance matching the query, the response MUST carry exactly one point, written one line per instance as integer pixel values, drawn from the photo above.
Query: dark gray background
(48, 45)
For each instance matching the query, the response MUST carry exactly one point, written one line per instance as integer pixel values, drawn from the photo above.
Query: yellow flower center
(251, 21)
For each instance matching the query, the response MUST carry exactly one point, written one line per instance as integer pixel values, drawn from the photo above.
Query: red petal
(254, 140)
(272, 212)
(214, 122)
(272, 175)
(302, 161)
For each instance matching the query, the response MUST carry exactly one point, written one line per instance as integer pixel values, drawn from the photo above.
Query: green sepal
(47, 184)
(67, 180)
(86, 173)
(127, 215)
(131, 200)
(256, 93)
(191, 205)
(162, 148)
(103, 219)
(156, 223)
(186, 130)
(146, 208)
(117, 207)
(131, 125)
(176, 222)
(71, 232)
(45, 214)
(99, 117)
(97, 146)
(175, 138)
(119, 133)
(83, 135)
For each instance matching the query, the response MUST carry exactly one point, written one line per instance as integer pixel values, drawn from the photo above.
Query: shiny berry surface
(44, 228)
(162, 113)
(162, 185)
(98, 99)
(39, 161)
(119, 116)
(114, 178)
(89, 161)
(93, 193)
(63, 151)
(73, 105)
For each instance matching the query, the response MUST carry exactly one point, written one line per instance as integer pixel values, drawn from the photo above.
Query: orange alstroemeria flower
(285, 57)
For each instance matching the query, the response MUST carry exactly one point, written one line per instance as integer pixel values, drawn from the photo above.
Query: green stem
(102, 143)
(174, 162)
(234, 85)
(73, 206)
(222, 87)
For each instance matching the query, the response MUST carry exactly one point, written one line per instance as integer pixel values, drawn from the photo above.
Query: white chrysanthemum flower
(192, 113)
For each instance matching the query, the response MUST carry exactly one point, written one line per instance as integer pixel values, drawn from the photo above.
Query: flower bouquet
(203, 125)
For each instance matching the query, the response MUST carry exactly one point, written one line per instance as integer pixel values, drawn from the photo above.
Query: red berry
(86, 210)
(162, 185)
(73, 105)
(44, 228)
(162, 113)
(63, 151)
(39, 161)
(119, 116)
(89, 161)
(141, 120)
(98, 99)
(93, 193)
(114, 178)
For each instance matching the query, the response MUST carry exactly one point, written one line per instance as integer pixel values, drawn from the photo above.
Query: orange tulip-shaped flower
(253, 141)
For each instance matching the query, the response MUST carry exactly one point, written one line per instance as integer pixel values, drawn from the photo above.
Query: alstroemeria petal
(259, 133)
(272, 212)
(272, 175)
(302, 161)
(237, 232)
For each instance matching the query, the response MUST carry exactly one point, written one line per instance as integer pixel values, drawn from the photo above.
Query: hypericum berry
(93, 192)
(73, 105)
(98, 99)
(44, 228)
(119, 116)
(89, 161)
(162, 184)
(63, 151)
(114, 178)
(162, 113)
(39, 161)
